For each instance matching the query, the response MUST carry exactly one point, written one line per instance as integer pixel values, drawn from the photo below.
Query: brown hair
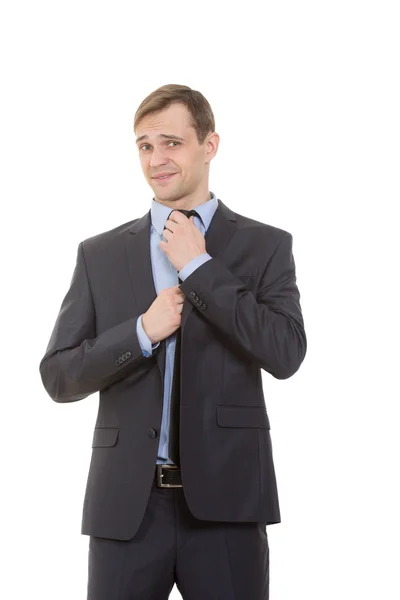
(202, 117)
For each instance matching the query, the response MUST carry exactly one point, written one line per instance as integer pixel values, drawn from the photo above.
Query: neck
(187, 202)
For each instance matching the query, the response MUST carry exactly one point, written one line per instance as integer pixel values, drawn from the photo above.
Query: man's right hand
(164, 315)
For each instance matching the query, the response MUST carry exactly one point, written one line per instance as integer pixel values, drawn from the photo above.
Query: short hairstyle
(202, 117)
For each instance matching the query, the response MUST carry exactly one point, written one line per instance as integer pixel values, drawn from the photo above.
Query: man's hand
(163, 317)
(184, 240)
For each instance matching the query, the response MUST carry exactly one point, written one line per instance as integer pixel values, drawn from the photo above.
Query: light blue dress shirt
(165, 275)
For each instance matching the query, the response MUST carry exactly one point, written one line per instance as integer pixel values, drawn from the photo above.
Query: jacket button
(192, 294)
(152, 433)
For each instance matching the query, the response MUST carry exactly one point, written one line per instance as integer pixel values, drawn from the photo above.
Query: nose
(157, 158)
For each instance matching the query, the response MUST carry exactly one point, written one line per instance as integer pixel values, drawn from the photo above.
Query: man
(181, 483)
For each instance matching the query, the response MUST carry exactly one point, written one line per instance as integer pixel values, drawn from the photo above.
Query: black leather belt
(168, 476)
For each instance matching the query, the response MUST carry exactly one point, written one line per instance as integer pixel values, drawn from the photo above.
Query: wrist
(152, 340)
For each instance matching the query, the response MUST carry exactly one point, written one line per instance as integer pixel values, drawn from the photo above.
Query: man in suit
(171, 317)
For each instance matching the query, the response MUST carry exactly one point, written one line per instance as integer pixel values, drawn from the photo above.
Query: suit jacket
(241, 314)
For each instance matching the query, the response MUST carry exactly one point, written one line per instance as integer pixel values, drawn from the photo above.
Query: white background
(306, 101)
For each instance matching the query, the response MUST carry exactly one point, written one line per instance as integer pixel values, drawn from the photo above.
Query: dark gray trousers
(207, 560)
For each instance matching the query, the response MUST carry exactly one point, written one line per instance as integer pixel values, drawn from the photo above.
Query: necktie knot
(188, 213)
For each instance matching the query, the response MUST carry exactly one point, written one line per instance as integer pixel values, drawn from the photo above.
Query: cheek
(144, 163)
(192, 167)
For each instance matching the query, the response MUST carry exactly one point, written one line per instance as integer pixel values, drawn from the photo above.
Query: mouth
(164, 178)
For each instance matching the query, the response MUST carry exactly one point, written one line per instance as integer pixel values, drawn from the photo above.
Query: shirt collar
(160, 213)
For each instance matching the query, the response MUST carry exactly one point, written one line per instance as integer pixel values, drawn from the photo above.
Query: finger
(169, 224)
(176, 217)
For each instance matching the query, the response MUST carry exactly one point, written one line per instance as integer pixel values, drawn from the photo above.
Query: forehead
(174, 119)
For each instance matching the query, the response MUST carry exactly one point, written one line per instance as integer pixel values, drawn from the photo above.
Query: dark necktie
(173, 450)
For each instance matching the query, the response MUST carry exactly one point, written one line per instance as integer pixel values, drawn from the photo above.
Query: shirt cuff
(145, 344)
(193, 265)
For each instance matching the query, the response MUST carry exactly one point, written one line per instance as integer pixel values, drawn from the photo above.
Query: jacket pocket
(242, 416)
(105, 436)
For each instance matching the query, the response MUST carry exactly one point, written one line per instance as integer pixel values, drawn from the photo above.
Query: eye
(142, 147)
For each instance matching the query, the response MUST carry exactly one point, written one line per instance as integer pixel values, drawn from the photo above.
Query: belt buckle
(160, 475)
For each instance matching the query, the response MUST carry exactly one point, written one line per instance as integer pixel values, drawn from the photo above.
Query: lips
(164, 177)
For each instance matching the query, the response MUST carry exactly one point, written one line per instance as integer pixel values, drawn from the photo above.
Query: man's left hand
(184, 240)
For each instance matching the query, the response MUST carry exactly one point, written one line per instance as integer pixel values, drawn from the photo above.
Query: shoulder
(264, 232)
(107, 239)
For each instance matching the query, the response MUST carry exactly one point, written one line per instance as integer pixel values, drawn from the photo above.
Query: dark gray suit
(241, 314)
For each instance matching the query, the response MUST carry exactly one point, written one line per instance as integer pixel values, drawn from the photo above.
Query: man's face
(171, 146)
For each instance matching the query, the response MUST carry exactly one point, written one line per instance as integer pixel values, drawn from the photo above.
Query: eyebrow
(161, 135)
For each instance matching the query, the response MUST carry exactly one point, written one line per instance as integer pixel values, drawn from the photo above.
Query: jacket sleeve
(78, 363)
(266, 328)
